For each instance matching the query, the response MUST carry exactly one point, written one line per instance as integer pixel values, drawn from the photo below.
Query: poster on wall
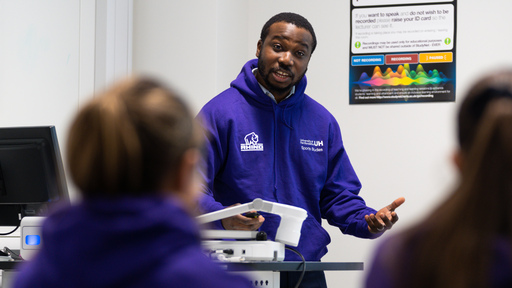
(402, 51)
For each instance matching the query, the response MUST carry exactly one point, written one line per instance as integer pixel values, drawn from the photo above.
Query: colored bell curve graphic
(402, 76)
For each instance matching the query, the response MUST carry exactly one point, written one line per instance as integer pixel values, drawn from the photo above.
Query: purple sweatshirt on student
(291, 152)
(393, 263)
(129, 242)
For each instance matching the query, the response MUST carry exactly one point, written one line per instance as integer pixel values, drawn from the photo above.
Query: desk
(263, 271)
(293, 266)
(8, 272)
(9, 265)
(267, 274)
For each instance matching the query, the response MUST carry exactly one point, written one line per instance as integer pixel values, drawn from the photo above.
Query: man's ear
(258, 48)
(458, 159)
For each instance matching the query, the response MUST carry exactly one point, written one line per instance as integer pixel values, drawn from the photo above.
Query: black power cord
(16, 228)
(9, 233)
(303, 266)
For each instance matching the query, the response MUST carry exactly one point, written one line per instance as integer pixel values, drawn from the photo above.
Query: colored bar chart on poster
(402, 51)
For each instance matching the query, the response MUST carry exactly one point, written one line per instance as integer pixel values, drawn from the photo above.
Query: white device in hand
(288, 232)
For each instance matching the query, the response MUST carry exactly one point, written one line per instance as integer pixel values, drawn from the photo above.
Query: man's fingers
(245, 223)
(386, 219)
(394, 217)
(396, 203)
(374, 223)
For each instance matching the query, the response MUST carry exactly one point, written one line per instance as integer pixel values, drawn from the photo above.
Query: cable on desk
(303, 265)
(8, 233)
(16, 228)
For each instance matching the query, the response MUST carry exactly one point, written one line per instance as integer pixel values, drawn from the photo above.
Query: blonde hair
(125, 140)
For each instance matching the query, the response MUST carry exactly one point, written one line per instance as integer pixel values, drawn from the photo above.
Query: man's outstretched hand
(384, 218)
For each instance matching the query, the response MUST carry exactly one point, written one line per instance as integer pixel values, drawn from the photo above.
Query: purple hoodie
(132, 242)
(290, 153)
(393, 258)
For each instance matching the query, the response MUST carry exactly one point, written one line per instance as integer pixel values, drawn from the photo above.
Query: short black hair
(291, 18)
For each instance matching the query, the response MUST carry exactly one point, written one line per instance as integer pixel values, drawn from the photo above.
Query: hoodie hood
(99, 242)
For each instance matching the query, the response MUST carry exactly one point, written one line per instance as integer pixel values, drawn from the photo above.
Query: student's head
(461, 242)
(488, 162)
(486, 90)
(485, 153)
(284, 50)
(137, 138)
(492, 87)
(453, 246)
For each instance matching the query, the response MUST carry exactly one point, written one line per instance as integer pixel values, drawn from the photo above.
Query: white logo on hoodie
(312, 145)
(251, 143)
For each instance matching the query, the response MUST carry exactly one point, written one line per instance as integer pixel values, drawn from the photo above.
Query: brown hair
(494, 86)
(454, 247)
(125, 140)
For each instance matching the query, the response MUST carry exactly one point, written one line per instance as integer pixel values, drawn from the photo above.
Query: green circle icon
(447, 41)
(358, 44)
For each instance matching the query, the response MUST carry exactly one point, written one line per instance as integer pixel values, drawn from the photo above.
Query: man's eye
(277, 47)
(301, 54)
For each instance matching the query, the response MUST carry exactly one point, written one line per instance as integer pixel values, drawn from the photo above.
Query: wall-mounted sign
(402, 51)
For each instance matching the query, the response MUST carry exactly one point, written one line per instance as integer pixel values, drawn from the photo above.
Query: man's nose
(286, 58)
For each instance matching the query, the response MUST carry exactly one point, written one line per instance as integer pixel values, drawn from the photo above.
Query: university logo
(312, 145)
(311, 142)
(251, 143)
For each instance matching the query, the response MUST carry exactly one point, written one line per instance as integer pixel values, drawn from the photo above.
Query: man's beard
(262, 70)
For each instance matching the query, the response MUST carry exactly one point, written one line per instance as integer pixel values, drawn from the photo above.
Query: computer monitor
(32, 179)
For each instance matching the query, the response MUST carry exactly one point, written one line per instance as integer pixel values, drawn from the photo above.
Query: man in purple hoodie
(269, 140)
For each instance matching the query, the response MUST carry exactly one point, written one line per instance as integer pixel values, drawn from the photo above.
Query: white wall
(54, 54)
(30, 53)
(199, 46)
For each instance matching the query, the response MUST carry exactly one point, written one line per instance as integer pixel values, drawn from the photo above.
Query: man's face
(283, 58)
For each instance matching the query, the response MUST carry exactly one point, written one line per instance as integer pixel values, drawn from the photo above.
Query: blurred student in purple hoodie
(467, 240)
(132, 152)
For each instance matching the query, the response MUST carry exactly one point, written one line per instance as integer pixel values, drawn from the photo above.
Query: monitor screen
(32, 179)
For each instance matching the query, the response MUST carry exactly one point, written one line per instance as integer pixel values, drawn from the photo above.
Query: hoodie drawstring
(283, 119)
